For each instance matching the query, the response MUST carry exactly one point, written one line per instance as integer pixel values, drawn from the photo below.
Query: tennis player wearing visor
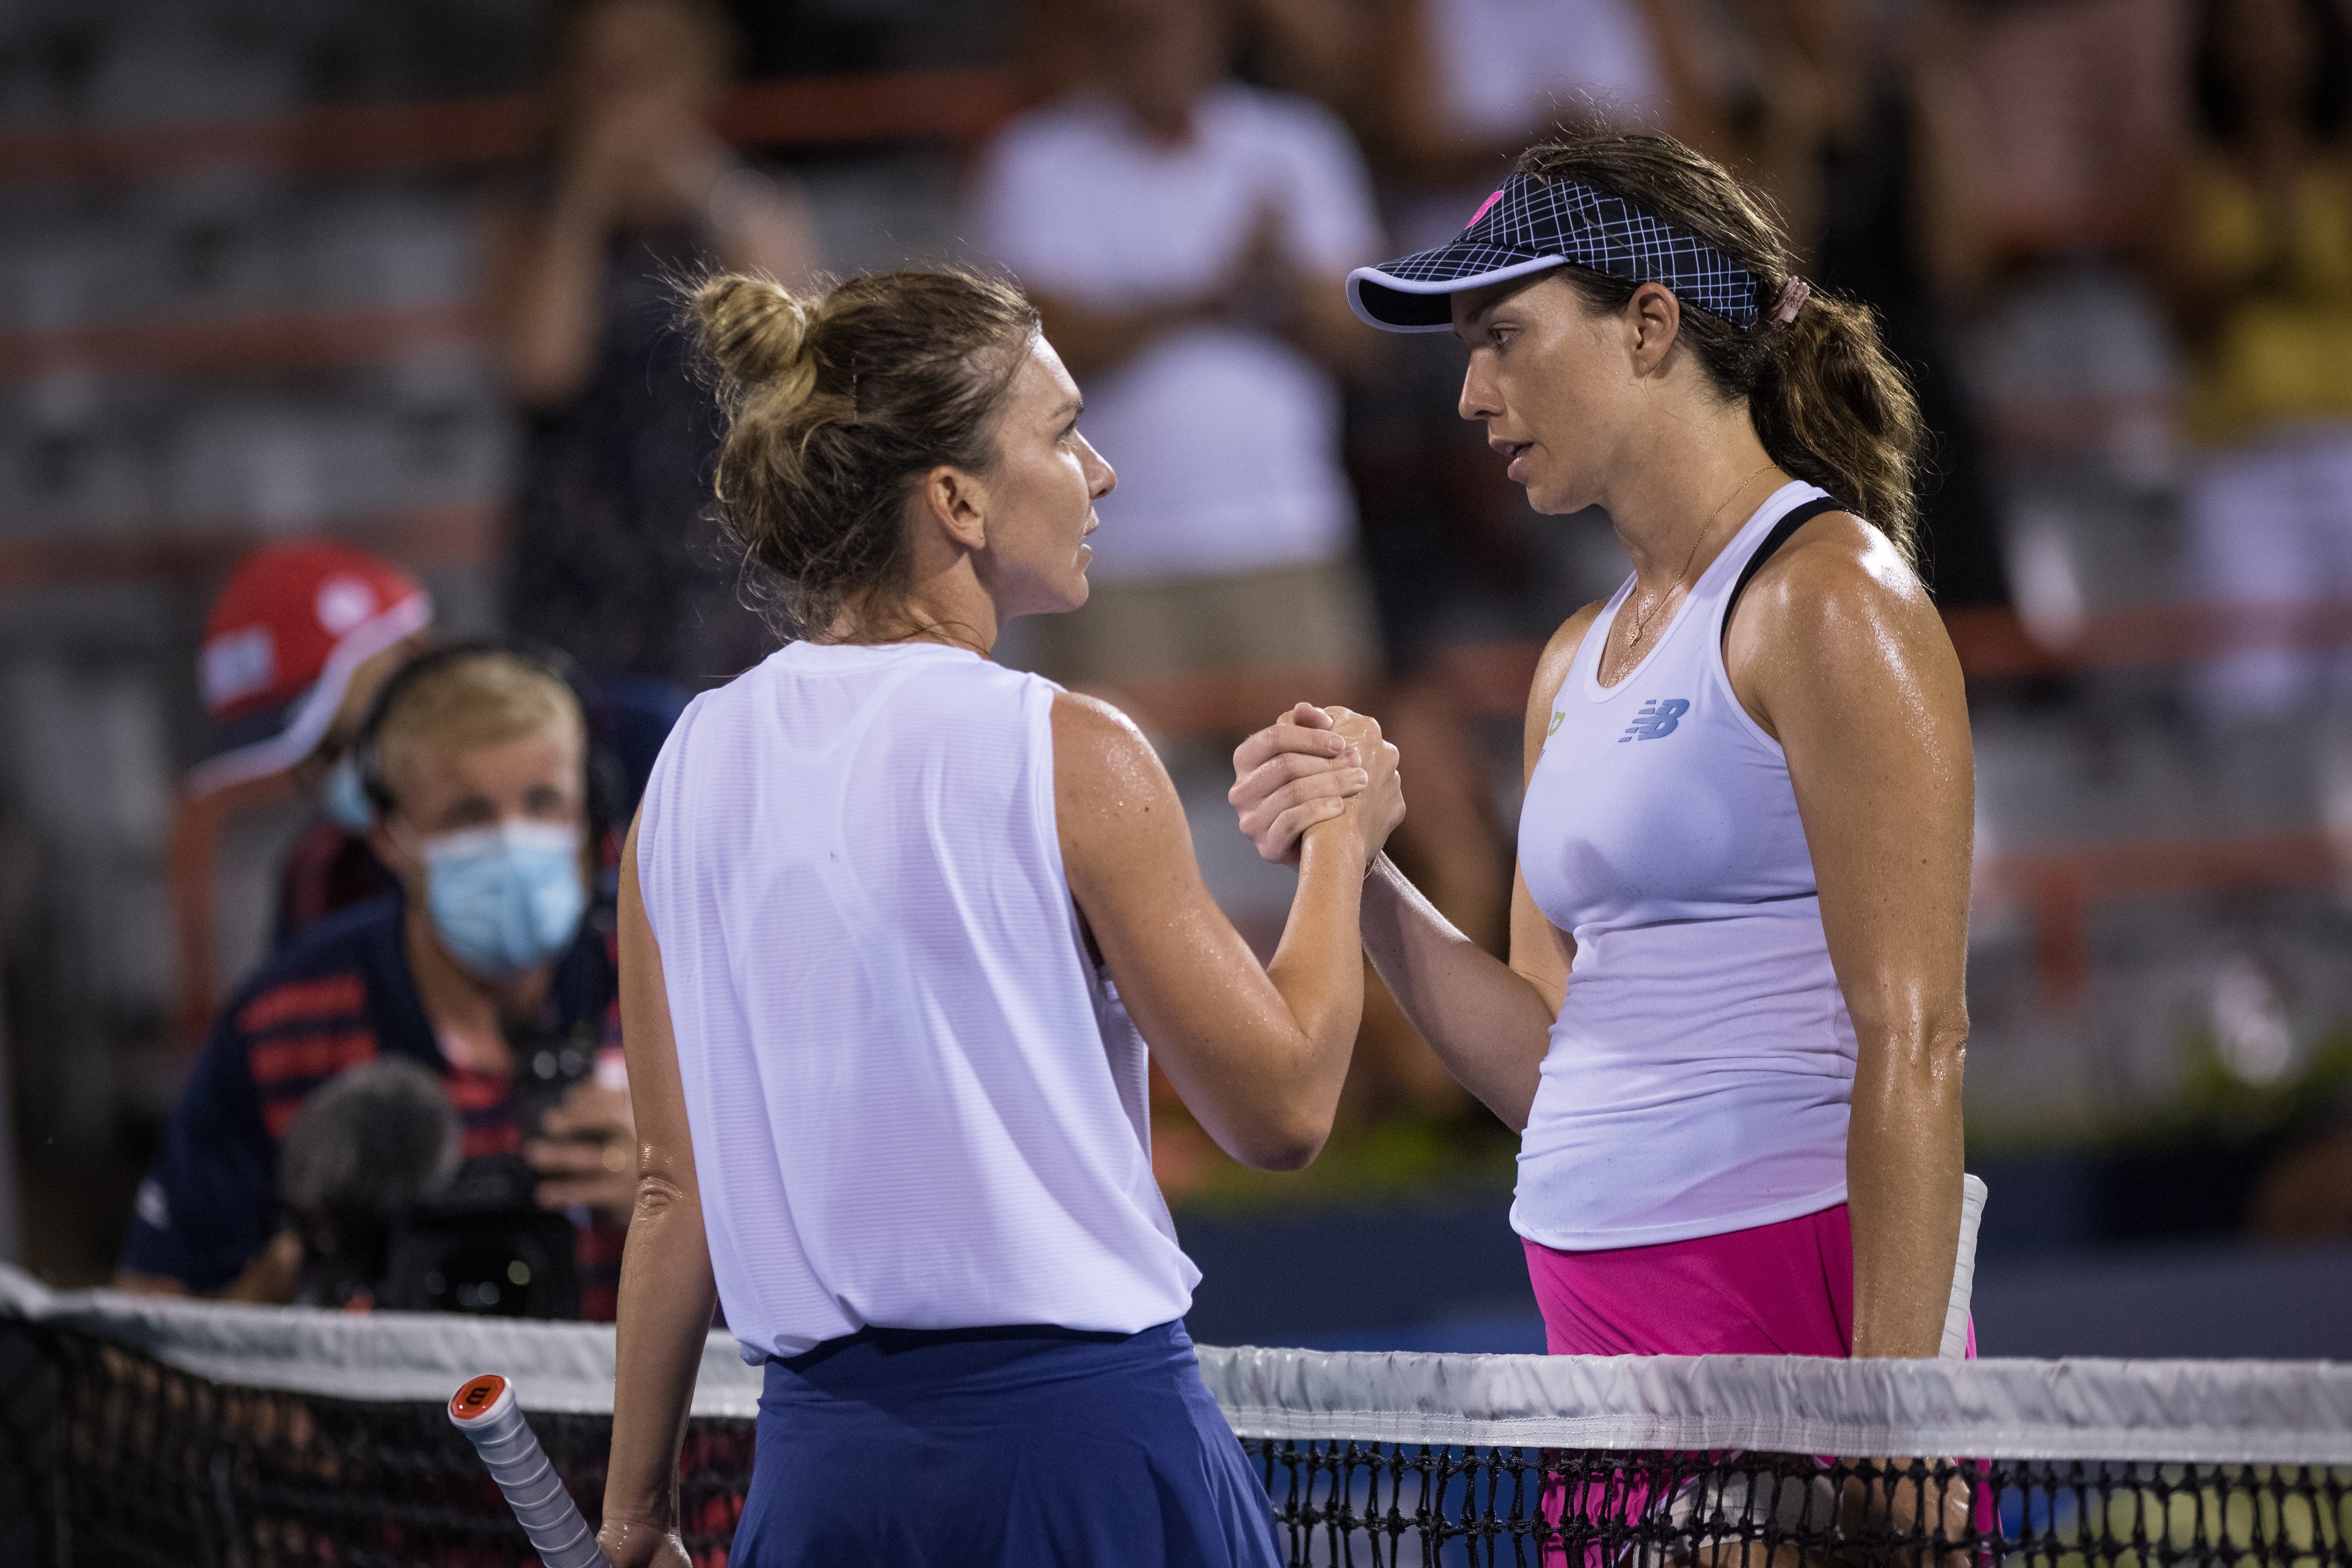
(1731, 1027)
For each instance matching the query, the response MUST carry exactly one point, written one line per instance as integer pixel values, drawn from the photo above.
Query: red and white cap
(281, 644)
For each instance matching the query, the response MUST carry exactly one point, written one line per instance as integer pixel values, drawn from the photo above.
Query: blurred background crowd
(403, 278)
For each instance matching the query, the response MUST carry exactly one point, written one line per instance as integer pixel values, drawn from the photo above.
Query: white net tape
(2159, 1411)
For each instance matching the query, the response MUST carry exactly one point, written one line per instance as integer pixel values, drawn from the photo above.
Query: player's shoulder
(1086, 726)
(1838, 607)
(1104, 764)
(1837, 567)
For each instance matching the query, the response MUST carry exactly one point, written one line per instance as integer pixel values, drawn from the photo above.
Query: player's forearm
(1904, 1162)
(1318, 966)
(1486, 1023)
(667, 1300)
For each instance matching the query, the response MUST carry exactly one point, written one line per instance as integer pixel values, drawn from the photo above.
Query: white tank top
(915, 1104)
(1700, 1074)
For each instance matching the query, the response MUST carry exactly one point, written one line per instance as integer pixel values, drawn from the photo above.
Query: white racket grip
(486, 1411)
(1964, 1270)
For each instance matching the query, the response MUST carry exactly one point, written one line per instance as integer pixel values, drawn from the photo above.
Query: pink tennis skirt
(1774, 1289)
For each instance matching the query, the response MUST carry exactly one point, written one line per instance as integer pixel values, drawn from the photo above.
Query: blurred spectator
(1185, 238)
(616, 560)
(477, 964)
(1445, 93)
(1468, 84)
(1861, 137)
(294, 651)
(2259, 272)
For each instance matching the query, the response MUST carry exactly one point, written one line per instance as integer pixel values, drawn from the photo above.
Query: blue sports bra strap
(1782, 532)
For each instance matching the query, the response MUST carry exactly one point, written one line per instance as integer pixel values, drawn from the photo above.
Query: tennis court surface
(135, 1431)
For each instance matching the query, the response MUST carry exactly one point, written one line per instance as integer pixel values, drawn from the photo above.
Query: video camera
(391, 1215)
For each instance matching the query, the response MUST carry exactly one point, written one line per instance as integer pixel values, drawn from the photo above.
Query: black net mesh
(111, 1457)
(1367, 1503)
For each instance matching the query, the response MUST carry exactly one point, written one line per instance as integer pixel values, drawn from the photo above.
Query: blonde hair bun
(756, 333)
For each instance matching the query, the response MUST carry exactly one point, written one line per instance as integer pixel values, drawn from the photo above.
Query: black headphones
(597, 789)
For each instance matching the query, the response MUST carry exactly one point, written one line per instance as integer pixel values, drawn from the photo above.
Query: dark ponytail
(1828, 402)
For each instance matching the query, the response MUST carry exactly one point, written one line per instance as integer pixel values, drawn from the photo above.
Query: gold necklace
(1641, 622)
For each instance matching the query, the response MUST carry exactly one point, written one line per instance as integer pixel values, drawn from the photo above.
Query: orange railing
(1995, 645)
(447, 536)
(2058, 886)
(957, 105)
(249, 345)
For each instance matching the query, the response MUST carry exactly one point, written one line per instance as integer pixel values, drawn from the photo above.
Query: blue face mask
(343, 799)
(505, 898)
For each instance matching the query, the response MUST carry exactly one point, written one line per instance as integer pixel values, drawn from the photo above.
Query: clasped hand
(1314, 766)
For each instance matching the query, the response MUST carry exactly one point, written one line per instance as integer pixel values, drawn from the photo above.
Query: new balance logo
(1658, 718)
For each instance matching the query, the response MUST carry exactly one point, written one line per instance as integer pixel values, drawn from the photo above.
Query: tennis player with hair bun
(886, 912)
(1731, 1027)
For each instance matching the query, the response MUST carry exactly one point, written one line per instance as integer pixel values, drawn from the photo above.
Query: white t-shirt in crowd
(1507, 70)
(1506, 67)
(1225, 437)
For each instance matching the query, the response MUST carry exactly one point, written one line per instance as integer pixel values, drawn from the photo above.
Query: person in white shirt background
(1184, 236)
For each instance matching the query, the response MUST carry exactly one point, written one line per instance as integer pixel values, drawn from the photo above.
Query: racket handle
(486, 1411)
(1964, 1270)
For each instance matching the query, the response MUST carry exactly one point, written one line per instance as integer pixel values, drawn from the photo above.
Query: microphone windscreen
(371, 1141)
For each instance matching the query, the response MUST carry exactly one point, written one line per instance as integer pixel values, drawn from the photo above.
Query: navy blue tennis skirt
(1022, 1446)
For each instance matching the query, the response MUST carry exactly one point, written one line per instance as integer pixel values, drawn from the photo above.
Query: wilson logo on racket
(476, 1396)
(1657, 718)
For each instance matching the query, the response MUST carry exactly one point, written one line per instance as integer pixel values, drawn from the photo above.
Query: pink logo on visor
(1483, 208)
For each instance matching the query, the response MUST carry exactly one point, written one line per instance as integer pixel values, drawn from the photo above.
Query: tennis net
(136, 1431)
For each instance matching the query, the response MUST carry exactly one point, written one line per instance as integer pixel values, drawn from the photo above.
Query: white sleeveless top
(915, 1104)
(1700, 1074)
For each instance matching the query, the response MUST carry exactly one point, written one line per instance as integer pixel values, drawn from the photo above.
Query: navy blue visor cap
(1532, 225)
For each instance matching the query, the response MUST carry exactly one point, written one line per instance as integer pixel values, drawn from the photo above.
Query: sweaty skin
(1834, 650)
(1256, 1052)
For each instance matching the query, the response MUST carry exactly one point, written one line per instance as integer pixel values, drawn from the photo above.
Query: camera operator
(482, 966)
